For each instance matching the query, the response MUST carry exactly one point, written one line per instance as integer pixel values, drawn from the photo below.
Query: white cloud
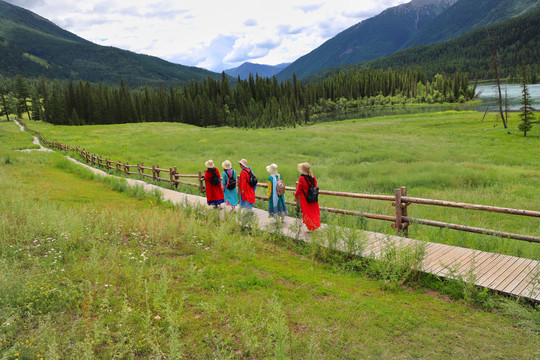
(208, 33)
(251, 22)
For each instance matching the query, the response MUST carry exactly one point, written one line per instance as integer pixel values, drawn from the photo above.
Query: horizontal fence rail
(400, 200)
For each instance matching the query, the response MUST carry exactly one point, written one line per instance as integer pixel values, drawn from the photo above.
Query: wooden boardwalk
(501, 273)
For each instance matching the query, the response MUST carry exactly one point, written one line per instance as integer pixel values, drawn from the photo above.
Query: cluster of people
(232, 189)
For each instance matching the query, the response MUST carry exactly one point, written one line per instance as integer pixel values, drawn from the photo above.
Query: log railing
(400, 201)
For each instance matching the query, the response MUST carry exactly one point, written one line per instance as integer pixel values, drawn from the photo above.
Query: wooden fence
(400, 201)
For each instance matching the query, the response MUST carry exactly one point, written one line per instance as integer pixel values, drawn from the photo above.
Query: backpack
(214, 180)
(232, 181)
(312, 195)
(252, 181)
(280, 187)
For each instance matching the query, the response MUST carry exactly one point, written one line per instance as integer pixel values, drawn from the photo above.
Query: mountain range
(248, 68)
(517, 42)
(32, 46)
(418, 22)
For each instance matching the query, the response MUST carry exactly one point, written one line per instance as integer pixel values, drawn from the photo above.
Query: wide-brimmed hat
(226, 165)
(272, 169)
(305, 169)
(243, 162)
(209, 164)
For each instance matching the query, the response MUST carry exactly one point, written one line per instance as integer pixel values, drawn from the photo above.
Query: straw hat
(305, 169)
(272, 169)
(227, 165)
(243, 163)
(209, 164)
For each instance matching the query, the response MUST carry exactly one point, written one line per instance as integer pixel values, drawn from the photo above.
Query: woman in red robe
(311, 214)
(214, 192)
(247, 193)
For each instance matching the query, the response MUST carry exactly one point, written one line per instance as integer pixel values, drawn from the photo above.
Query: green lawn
(452, 156)
(90, 273)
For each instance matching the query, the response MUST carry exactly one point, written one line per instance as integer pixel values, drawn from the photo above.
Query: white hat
(243, 162)
(272, 169)
(209, 164)
(226, 165)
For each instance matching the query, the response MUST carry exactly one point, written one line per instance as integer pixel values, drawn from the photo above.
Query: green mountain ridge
(397, 29)
(469, 15)
(517, 41)
(32, 46)
(372, 38)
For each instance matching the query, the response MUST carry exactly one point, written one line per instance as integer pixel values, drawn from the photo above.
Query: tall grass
(449, 156)
(88, 272)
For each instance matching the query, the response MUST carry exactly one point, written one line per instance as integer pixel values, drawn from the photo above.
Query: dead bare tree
(497, 78)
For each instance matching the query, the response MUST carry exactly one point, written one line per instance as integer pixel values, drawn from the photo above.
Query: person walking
(276, 193)
(309, 203)
(228, 184)
(214, 192)
(247, 192)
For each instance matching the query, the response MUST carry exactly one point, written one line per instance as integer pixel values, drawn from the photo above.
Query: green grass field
(450, 156)
(88, 272)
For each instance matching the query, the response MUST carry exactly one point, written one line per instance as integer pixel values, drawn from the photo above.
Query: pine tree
(527, 116)
(4, 91)
(37, 108)
(22, 93)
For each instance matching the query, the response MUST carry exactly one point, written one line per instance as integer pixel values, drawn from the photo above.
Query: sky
(211, 34)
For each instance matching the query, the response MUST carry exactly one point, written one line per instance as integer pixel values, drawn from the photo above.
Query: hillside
(248, 68)
(373, 38)
(32, 46)
(517, 41)
(398, 28)
(469, 15)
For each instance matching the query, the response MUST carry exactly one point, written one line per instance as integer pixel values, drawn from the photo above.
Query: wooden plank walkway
(501, 273)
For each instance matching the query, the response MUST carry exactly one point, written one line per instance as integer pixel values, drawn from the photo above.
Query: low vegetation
(450, 156)
(88, 272)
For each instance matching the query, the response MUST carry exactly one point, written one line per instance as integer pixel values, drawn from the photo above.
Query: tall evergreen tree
(37, 108)
(22, 93)
(4, 92)
(526, 115)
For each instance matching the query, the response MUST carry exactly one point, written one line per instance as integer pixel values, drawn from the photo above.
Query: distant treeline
(256, 102)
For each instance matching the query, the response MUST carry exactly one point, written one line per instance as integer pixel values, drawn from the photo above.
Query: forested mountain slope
(419, 22)
(468, 15)
(32, 46)
(517, 41)
(373, 38)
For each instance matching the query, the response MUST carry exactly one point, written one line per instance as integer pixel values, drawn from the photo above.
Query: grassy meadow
(452, 156)
(91, 269)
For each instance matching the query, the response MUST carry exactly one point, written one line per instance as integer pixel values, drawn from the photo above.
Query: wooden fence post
(397, 204)
(405, 225)
(157, 173)
(176, 177)
(402, 228)
(153, 173)
(126, 168)
(201, 184)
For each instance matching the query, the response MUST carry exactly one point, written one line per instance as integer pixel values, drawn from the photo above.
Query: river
(487, 93)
